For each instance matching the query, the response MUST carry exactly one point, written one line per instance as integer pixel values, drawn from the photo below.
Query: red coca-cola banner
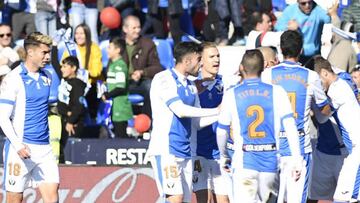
(88, 184)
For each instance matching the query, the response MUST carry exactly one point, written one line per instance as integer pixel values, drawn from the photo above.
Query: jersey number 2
(259, 112)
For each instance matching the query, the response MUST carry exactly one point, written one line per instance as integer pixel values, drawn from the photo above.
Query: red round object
(110, 17)
(142, 123)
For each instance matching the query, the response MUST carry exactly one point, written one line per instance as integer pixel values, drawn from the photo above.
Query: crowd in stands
(148, 27)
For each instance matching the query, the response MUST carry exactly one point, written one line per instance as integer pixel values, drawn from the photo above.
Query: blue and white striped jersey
(24, 101)
(170, 133)
(255, 111)
(302, 86)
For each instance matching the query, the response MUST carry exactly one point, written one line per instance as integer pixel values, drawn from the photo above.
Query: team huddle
(266, 119)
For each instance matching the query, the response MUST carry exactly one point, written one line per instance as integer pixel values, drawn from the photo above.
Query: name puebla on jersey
(294, 77)
(253, 92)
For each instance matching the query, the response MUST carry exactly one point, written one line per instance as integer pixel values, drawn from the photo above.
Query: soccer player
(256, 111)
(302, 86)
(174, 102)
(329, 154)
(208, 182)
(24, 97)
(344, 101)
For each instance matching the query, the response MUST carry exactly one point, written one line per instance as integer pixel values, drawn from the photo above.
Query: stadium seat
(104, 58)
(136, 99)
(165, 52)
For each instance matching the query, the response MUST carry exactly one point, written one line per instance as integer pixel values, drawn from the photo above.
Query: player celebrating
(302, 86)
(174, 102)
(256, 111)
(344, 101)
(24, 120)
(207, 178)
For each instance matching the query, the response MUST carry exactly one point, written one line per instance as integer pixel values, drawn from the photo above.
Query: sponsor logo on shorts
(345, 192)
(170, 185)
(12, 182)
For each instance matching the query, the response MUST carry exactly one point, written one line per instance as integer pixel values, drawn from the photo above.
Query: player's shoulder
(162, 78)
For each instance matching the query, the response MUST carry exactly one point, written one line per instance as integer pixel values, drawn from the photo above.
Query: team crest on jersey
(219, 88)
(46, 81)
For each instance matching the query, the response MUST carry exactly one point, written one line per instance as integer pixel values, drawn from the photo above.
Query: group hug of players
(265, 117)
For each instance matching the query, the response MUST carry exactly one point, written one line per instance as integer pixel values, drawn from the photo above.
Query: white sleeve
(8, 92)
(266, 76)
(283, 107)
(271, 39)
(317, 90)
(224, 123)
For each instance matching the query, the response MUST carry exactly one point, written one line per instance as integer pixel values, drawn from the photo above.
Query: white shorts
(297, 190)
(208, 175)
(21, 173)
(252, 186)
(173, 175)
(324, 175)
(347, 177)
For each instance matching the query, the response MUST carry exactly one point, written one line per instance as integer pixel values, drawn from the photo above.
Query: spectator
(261, 34)
(229, 10)
(85, 11)
(46, 16)
(160, 10)
(71, 102)
(142, 59)
(8, 54)
(309, 19)
(351, 14)
(22, 17)
(89, 56)
(342, 55)
(117, 83)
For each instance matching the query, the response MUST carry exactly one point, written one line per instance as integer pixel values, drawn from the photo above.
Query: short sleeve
(167, 89)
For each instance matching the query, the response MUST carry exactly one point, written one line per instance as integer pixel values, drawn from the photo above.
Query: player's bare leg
(222, 199)
(14, 197)
(174, 198)
(49, 192)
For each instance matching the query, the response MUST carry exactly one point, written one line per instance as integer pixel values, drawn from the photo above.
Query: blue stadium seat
(165, 52)
(136, 99)
(103, 46)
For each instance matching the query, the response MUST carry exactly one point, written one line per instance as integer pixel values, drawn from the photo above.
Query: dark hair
(184, 48)
(257, 17)
(321, 63)
(119, 43)
(291, 43)
(88, 42)
(71, 61)
(35, 39)
(253, 62)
